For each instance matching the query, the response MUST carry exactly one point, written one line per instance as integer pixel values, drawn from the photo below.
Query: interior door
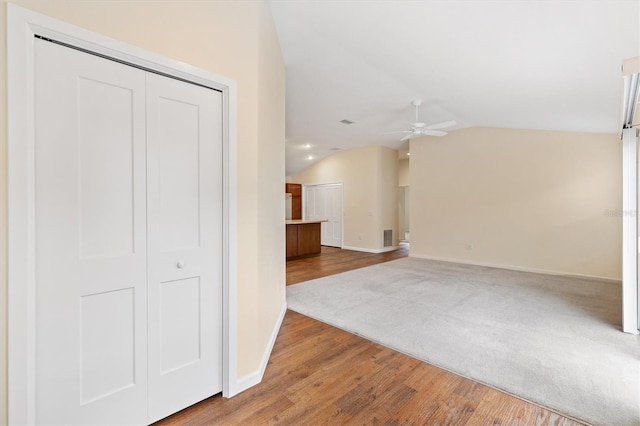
(184, 159)
(325, 202)
(332, 229)
(90, 239)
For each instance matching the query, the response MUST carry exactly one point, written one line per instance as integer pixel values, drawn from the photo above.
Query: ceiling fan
(421, 129)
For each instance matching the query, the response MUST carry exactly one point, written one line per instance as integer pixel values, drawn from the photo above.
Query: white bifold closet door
(128, 241)
(184, 219)
(325, 202)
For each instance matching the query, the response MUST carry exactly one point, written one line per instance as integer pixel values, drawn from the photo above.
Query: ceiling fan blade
(397, 131)
(434, 133)
(442, 125)
(407, 137)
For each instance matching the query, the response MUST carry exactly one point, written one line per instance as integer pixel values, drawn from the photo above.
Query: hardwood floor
(334, 261)
(318, 374)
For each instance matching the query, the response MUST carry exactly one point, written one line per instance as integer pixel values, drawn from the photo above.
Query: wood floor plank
(333, 261)
(496, 406)
(437, 404)
(320, 375)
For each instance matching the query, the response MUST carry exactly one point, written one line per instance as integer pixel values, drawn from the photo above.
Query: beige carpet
(552, 340)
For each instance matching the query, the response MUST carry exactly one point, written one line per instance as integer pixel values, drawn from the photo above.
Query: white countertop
(302, 222)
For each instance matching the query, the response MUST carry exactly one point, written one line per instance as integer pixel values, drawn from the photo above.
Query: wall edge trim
(252, 379)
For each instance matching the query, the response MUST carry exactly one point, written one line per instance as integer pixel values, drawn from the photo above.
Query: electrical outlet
(468, 246)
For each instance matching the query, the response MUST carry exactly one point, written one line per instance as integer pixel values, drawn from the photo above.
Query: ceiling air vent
(345, 121)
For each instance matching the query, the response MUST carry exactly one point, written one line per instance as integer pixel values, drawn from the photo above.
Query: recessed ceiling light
(309, 157)
(408, 153)
(307, 145)
(345, 121)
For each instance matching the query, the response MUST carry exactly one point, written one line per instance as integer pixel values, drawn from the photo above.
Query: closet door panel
(105, 126)
(178, 174)
(90, 239)
(184, 159)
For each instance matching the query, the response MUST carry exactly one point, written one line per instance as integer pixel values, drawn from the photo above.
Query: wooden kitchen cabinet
(303, 239)
(292, 241)
(295, 189)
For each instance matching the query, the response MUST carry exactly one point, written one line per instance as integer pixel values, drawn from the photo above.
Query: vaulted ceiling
(530, 64)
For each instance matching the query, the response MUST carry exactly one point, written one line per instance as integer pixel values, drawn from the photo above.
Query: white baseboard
(520, 268)
(244, 383)
(368, 250)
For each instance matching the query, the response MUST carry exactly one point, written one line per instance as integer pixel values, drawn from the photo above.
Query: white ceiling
(538, 64)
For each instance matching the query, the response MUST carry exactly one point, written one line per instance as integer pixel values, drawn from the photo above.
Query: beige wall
(270, 282)
(403, 182)
(233, 39)
(402, 225)
(403, 210)
(538, 200)
(403, 172)
(388, 194)
(368, 200)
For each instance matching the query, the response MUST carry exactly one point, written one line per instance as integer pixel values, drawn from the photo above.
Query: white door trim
(629, 231)
(22, 26)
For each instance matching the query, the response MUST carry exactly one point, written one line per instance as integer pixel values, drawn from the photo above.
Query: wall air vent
(345, 121)
(388, 237)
